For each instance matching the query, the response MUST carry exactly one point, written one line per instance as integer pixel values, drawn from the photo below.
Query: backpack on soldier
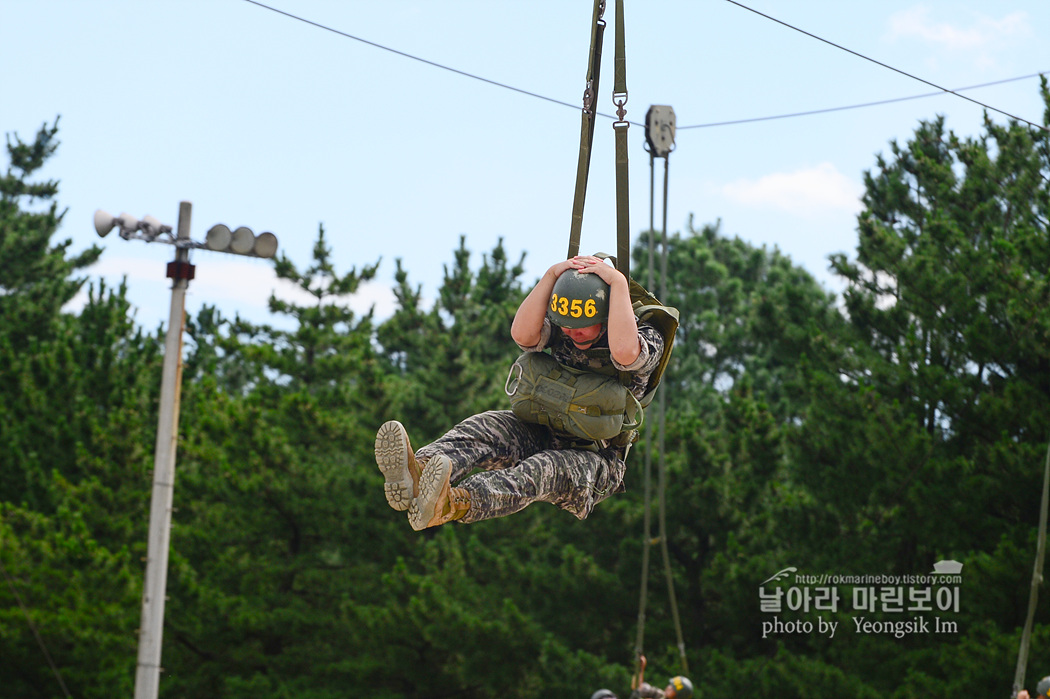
(590, 405)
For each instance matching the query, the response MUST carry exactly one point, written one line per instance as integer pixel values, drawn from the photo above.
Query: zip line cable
(941, 90)
(864, 104)
(416, 58)
(880, 63)
(36, 634)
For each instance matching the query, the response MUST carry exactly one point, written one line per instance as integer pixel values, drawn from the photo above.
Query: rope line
(647, 532)
(661, 410)
(661, 456)
(495, 83)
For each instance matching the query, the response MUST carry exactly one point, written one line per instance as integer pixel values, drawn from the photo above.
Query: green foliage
(447, 363)
(745, 312)
(749, 320)
(902, 424)
(273, 492)
(923, 434)
(34, 281)
(81, 597)
(77, 420)
(942, 403)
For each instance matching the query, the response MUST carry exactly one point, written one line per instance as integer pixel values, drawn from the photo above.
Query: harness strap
(583, 165)
(623, 230)
(620, 126)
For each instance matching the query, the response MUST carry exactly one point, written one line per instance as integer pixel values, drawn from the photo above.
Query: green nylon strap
(623, 230)
(620, 58)
(587, 127)
(623, 226)
(582, 167)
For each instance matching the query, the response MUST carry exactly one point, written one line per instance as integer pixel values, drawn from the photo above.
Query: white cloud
(806, 192)
(984, 32)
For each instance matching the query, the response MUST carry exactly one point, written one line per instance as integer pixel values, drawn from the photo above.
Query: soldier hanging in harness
(561, 443)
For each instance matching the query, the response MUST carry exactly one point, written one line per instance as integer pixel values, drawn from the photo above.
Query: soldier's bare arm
(528, 321)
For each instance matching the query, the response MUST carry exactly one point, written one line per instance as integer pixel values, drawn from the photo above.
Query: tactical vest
(592, 405)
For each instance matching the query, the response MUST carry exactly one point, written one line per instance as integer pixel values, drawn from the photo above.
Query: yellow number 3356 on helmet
(579, 300)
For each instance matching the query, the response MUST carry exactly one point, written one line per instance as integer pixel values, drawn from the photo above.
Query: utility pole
(242, 242)
(147, 674)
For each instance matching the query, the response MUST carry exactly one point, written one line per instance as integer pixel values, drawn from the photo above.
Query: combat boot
(397, 461)
(438, 502)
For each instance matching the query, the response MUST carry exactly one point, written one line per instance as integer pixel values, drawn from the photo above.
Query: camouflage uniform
(647, 691)
(522, 463)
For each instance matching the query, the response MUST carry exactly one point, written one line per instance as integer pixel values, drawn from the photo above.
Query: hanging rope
(1037, 579)
(643, 594)
(659, 142)
(661, 422)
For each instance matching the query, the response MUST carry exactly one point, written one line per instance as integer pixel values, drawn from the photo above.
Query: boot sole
(393, 453)
(434, 479)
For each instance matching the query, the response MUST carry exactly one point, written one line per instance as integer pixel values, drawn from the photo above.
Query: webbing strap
(619, 59)
(587, 127)
(623, 226)
(623, 229)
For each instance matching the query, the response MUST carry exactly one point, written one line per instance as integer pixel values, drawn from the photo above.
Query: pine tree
(451, 361)
(77, 414)
(34, 273)
(923, 438)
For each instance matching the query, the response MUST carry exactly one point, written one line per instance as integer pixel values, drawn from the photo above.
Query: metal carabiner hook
(517, 380)
(620, 100)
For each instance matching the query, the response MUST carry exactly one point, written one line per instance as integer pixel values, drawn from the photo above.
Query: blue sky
(266, 121)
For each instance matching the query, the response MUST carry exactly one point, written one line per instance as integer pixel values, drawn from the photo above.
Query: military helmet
(579, 300)
(603, 694)
(1043, 688)
(683, 688)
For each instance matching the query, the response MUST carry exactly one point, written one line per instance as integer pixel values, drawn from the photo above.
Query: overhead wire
(858, 106)
(415, 58)
(884, 65)
(496, 83)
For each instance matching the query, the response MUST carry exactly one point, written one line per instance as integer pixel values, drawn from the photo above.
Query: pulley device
(659, 130)
(620, 126)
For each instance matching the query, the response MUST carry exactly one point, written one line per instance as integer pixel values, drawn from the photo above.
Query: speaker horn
(104, 223)
(243, 241)
(266, 245)
(128, 223)
(152, 226)
(218, 237)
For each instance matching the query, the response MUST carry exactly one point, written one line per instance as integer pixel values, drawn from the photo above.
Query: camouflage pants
(521, 464)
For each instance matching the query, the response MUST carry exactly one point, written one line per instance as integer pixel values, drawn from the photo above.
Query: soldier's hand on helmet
(588, 264)
(556, 270)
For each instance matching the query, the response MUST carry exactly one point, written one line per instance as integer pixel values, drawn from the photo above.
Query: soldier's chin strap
(620, 126)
